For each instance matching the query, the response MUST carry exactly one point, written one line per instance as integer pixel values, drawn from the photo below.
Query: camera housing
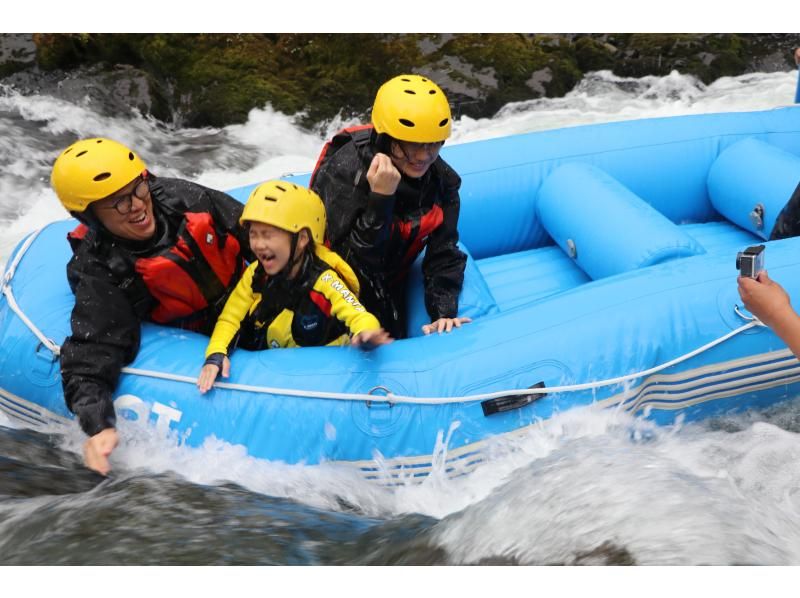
(750, 261)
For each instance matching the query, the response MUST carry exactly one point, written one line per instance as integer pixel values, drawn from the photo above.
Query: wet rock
(17, 52)
(216, 79)
(538, 80)
(114, 91)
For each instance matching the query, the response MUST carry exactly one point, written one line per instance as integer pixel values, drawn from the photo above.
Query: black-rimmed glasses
(409, 149)
(123, 204)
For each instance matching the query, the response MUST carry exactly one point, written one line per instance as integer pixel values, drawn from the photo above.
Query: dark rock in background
(17, 52)
(216, 79)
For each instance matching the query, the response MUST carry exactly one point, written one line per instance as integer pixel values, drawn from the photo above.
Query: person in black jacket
(163, 250)
(389, 195)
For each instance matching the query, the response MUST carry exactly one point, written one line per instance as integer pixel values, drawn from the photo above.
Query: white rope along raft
(389, 397)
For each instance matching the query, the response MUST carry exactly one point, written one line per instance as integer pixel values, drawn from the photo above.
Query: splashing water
(587, 487)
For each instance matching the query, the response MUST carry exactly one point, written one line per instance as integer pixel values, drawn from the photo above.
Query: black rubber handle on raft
(501, 404)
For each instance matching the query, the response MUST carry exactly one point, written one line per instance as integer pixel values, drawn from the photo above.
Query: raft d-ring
(387, 393)
(54, 353)
(747, 318)
(757, 216)
(572, 249)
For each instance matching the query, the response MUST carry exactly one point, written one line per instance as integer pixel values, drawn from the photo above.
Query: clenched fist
(382, 175)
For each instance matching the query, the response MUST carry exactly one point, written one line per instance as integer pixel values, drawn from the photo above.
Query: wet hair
(382, 142)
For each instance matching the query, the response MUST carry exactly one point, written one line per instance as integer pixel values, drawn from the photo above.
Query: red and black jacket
(180, 278)
(381, 236)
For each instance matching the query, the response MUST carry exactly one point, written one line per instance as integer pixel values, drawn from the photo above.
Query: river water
(588, 487)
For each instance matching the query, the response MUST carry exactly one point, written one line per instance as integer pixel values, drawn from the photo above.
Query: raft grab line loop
(388, 393)
(369, 397)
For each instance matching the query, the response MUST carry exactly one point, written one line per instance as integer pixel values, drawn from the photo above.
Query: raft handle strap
(502, 404)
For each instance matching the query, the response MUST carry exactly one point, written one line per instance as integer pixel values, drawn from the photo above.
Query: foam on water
(589, 486)
(583, 486)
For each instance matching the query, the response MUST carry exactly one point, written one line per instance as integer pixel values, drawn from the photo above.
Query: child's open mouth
(266, 259)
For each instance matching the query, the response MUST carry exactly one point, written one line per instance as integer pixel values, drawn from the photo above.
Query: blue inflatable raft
(601, 271)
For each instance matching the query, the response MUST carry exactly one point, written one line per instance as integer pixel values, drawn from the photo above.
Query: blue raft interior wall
(546, 212)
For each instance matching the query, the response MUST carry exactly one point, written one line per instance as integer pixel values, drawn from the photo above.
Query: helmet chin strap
(293, 258)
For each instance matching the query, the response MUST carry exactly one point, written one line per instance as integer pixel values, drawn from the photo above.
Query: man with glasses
(389, 195)
(157, 249)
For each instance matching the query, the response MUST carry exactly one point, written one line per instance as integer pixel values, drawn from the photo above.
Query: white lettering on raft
(164, 414)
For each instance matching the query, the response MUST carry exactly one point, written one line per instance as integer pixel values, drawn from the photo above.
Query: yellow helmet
(91, 169)
(287, 206)
(412, 108)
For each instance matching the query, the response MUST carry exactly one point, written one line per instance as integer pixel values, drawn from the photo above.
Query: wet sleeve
(788, 222)
(344, 303)
(236, 309)
(359, 221)
(105, 337)
(444, 263)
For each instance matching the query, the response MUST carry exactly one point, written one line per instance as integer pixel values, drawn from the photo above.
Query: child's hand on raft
(445, 325)
(209, 374)
(369, 339)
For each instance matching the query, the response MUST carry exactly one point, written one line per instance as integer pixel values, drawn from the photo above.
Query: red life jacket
(192, 274)
(415, 231)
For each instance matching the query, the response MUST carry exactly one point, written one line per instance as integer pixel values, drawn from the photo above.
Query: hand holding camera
(750, 262)
(763, 297)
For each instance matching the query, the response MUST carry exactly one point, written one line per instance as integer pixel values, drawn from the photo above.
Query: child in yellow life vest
(297, 293)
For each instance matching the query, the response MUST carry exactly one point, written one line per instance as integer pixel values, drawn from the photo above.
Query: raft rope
(388, 397)
(12, 302)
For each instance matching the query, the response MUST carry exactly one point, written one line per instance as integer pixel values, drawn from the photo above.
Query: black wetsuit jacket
(365, 229)
(788, 222)
(111, 299)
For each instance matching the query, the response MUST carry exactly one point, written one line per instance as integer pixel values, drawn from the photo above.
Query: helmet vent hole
(406, 80)
(411, 91)
(102, 176)
(99, 141)
(431, 92)
(444, 122)
(68, 150)
(131, 157)
(424, 80)
(268, 198)
(80, 153)
(281, 188)
(405, 122)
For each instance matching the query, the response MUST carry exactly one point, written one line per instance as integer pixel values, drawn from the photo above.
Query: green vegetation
(216, 79)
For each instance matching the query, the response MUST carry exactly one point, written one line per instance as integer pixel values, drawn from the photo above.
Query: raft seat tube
(603, 226)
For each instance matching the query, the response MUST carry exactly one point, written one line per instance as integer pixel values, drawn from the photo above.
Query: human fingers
(226, 367)
(379, 337)
(97, 449)
(207, 377)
